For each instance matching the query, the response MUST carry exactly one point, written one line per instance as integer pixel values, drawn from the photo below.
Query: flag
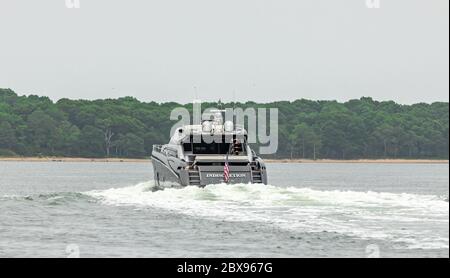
(226, 171)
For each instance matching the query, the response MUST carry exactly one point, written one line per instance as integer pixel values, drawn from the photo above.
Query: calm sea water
(308, 210)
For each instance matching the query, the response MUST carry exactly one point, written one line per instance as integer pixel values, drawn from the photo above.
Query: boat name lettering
(220, 175)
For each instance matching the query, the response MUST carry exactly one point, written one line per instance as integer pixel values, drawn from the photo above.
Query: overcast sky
(178, 50)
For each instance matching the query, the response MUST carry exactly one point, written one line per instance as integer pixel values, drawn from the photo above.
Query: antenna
(195, 92)
(234, 105)
(234, 99)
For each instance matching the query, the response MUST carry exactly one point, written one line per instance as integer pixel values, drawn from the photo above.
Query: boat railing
(157, 148)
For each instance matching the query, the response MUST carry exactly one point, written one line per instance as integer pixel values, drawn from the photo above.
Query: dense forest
(125, 127)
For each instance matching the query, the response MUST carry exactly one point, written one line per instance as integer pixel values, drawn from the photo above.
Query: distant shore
(72, 159)
(80, 159)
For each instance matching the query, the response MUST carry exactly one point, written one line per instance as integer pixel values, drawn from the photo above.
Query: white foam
(363, 214)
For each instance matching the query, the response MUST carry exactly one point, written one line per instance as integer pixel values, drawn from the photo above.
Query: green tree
(7, 136)
(130, 145)
(359, 128)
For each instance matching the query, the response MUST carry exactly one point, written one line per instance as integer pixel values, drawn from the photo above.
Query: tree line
(126, 127)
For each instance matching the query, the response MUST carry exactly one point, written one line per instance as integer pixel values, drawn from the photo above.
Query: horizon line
(209, 101)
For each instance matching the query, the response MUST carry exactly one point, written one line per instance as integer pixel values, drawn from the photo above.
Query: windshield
(211, 148)
(235, 148)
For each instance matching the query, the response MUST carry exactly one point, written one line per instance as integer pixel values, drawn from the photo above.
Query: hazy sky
(178, 50)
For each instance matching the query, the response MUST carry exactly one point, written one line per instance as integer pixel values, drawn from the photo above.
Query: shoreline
(143, 160)
(375, 161)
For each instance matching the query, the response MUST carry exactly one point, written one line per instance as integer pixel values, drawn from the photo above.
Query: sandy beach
(80, 159)
(71, 159)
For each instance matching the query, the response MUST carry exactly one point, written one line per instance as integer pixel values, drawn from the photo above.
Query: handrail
(167, 150)
(157, 148)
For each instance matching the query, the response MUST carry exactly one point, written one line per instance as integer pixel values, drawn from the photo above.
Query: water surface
(308, 210)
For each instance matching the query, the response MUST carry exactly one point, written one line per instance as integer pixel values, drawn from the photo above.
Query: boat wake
(398, 218)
